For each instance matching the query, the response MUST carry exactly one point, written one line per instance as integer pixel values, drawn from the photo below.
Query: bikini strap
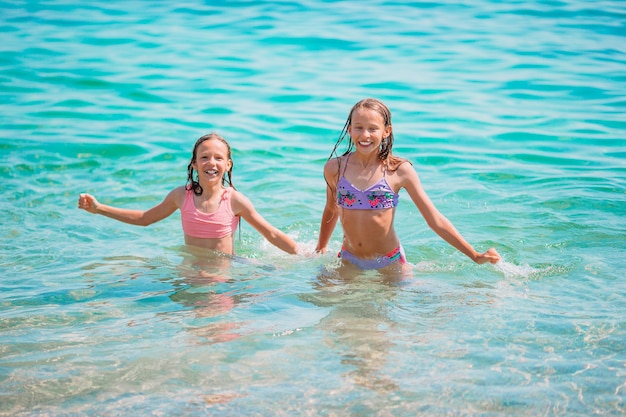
(343, 174)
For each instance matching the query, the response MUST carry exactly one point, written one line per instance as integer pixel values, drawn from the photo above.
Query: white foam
(510, 270)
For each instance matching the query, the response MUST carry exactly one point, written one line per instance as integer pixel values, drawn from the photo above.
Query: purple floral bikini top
(378, 196)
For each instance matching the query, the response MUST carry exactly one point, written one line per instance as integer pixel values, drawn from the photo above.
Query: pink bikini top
(218, 224)
(376, 197)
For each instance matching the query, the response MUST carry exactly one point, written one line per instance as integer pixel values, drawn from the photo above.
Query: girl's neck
(365, 162)
(208, 190)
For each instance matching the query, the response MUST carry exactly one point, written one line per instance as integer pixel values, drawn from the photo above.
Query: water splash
(512, 271)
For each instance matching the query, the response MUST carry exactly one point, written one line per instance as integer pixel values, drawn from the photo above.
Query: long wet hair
(385, 155)
(192, 181)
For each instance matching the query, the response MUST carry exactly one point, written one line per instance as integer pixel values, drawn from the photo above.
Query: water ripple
(512, 113)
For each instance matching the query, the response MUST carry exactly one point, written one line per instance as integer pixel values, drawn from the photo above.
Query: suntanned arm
(243, 207)
(157, 213)
(330, 216)
(437, 221)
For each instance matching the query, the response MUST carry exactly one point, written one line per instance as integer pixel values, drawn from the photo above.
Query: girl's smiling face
(211, 161)
(367, 130)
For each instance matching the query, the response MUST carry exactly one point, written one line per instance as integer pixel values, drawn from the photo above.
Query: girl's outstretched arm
(330, 216)
(157, 213)
(437, 221)
(243, 207)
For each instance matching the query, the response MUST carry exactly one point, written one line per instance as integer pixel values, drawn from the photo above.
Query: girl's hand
(491, 256)
(88, 203)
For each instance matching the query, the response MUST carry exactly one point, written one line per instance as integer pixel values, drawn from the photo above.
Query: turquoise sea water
(513, 113)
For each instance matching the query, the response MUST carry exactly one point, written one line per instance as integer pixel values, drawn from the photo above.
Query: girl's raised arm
(437, 221)
(330, 216)
(157, 213)
(243, 207)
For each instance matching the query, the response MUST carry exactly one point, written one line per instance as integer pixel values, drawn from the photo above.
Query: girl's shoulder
(181, 191)
(235, 196)
(337, 160)
(395, 163)
(177, 195)
(333, 165)
(239, 203)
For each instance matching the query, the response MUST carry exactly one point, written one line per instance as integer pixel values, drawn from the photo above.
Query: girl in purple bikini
(362, 191)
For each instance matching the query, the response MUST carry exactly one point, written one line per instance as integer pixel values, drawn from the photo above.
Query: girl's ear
(388, 130)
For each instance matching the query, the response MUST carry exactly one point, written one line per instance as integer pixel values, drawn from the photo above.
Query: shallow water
(513, 115)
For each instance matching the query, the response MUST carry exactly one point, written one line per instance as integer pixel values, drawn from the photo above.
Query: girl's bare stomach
(369, 233)
(224, 244)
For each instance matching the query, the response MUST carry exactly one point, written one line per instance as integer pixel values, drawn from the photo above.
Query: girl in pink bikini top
(209, 204)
